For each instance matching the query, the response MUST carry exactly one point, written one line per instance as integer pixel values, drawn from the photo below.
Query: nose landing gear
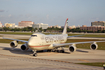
(35, 53)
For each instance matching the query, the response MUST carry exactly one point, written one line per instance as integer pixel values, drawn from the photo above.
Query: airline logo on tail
(65, 27)
(67, 20)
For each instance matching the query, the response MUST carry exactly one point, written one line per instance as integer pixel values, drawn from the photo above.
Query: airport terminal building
(1, 24)
(25, 24)
(95, 26)
(40, 25)
(98, 23)
(11, 25)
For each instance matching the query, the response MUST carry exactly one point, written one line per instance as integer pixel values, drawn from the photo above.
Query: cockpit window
(33, 35)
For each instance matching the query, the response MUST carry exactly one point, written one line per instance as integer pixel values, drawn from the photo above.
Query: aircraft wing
(75, 36)
(65, 44)
(15, 39)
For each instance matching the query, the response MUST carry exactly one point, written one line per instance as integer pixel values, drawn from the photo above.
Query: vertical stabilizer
(65, 27)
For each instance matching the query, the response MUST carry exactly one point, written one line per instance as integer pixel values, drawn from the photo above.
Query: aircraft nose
(30, 43)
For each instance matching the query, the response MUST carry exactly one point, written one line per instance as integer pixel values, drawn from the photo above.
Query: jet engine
(93, 46)
(24, 47)
(72, 48)
(13, 44)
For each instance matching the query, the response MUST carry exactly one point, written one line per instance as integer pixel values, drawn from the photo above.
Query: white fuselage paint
(40, 41)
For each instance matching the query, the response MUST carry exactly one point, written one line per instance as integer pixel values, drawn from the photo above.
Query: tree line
(48, 30)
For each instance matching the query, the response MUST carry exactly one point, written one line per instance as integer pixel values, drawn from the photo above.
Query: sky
(52, 12)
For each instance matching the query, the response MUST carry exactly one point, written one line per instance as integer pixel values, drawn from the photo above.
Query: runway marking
(36, 58)
(79, 67)
(83, 60)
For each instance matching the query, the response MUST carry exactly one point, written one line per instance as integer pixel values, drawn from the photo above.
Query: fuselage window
(33, 35)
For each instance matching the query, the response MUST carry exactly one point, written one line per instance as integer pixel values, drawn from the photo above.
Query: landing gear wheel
(49, 50)
(57, 50)
(35, 54)
(62, 51)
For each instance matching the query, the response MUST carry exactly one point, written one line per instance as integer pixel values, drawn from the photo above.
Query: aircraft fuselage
(41, 42)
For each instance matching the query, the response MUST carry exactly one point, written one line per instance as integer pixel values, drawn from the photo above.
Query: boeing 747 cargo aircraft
(39, 41)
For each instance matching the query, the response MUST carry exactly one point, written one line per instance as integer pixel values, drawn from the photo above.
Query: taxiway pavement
(23, 60)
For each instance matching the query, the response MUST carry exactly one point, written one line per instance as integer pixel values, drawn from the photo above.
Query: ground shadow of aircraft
(78, 50)
(28, 52)
(17, 51)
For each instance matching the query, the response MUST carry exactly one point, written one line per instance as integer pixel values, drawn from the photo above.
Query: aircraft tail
(65, 27)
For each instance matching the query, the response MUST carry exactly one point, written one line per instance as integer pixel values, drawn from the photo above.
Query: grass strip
(30, 33)
(93, 35)
(8, 41)
(18, 33)
(99, 64)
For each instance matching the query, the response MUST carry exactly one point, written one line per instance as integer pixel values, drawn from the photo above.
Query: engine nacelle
(72, 48)
(93, 46)
(14, 44)
(24, 47)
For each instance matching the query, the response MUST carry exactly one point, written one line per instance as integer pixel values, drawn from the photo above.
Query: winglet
(65, 27)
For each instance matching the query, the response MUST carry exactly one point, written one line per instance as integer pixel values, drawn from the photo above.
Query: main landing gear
(62, 50)
(59, 51)
(35, 53)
